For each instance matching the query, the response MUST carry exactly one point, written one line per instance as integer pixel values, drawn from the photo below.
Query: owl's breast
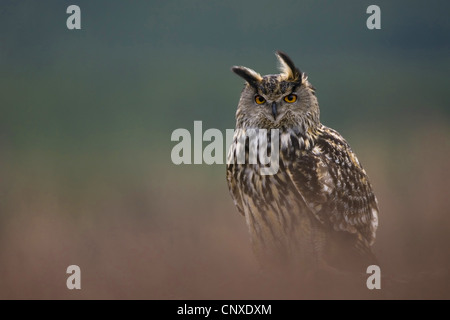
(277, 219)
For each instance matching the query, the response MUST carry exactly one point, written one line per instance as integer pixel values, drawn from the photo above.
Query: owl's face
(278, 100)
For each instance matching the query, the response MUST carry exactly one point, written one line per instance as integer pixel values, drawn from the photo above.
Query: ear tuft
(288, 68)
(252, 77)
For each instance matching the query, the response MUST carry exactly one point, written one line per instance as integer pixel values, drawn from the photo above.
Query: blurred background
(86, 118)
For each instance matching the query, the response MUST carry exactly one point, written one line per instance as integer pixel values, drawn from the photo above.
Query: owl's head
(284, 100)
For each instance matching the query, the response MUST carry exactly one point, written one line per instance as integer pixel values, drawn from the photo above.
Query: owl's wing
(234, 190)
(335, 187)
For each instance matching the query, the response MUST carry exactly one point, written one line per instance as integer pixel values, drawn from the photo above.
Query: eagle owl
(318, 209)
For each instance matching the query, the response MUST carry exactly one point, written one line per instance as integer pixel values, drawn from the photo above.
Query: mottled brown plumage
(319, 208)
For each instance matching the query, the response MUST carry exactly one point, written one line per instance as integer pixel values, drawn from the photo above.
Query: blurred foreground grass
(139, 228)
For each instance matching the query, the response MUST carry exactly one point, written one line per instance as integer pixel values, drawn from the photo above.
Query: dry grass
(178, 238)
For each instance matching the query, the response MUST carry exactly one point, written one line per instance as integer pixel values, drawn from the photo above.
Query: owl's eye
(259, 99)
(291, 98)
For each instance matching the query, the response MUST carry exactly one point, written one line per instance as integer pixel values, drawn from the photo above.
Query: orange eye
(259, 99)
(291, 98)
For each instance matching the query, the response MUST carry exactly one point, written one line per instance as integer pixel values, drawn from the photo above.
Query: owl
(318, 210)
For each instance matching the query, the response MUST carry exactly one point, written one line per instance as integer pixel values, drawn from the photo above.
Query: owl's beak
(274, 110)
